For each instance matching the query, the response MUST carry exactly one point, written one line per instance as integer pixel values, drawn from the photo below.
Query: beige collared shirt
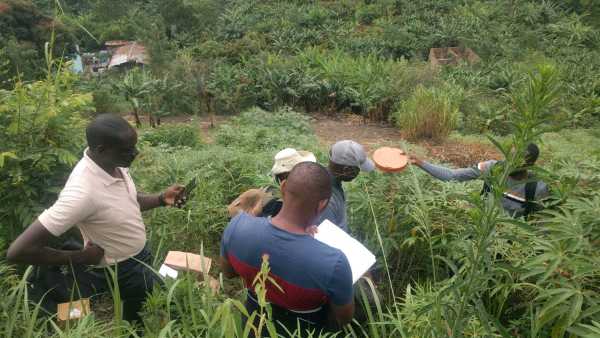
(104, 208)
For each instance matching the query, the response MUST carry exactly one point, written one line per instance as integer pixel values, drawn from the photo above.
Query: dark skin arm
(31, 248)
(227, 269)
(148, 201)
(342, 314)
(151, 201)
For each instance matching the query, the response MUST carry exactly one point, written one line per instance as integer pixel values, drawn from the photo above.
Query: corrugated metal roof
(116, 43)
(132, 52)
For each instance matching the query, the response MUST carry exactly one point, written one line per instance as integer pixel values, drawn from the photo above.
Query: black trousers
(52, 285)
(283, 318)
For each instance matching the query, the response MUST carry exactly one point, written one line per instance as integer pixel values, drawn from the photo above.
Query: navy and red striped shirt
(310, 273)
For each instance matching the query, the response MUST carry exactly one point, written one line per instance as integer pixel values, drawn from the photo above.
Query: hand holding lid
(390, 160)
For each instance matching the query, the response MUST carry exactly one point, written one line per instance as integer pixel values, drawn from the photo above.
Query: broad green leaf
(554, 301)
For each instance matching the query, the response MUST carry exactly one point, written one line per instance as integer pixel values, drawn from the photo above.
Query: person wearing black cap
(523, 189)
(346, 159)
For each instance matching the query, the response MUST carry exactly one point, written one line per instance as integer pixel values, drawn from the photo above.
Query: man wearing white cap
(286, 159)
(346, 159)
(261, 202)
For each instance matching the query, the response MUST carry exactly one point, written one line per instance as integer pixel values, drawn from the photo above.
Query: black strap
(272, 208)
(530, 190)
(487, 188)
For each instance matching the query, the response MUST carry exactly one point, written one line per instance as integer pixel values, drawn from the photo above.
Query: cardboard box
(73, 310)
(178, 261)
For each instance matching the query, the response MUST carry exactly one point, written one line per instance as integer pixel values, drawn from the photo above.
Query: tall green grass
(449, 263)
(430, 113)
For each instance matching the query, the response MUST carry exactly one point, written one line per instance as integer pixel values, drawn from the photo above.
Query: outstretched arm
(342, 314)
(447, 174)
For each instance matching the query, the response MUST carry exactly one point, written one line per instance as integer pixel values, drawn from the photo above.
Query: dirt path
(371, 135)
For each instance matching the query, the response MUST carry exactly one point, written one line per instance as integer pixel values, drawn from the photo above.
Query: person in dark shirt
(315, 279)
(523, 190)
(346, 159)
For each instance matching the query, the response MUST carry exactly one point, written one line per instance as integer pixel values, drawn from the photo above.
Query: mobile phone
(186, 193)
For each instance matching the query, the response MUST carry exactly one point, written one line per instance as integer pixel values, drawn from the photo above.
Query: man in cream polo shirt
(101, 200)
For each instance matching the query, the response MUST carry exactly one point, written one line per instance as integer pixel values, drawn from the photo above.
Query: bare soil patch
(461, 154)
(371, 135)
(330, 129)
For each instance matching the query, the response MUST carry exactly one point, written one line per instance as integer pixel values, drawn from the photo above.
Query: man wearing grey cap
(346, 159)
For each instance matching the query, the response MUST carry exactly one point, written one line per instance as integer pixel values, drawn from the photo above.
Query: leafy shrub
(187, 20)
(257, 130)
(229, 85)
(172, 135)
(365, 15)
(105, 101)
(40, 143)
(233, 51)
(560, 268)
(312, 16)
(430, 113)
(331, 80)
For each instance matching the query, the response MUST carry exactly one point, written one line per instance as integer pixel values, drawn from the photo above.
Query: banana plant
(136, 87)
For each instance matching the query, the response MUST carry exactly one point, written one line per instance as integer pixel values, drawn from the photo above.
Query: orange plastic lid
(390, 159)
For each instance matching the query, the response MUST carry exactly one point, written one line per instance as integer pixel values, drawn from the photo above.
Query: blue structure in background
(77, 65)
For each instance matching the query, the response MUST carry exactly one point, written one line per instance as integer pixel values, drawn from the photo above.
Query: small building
(128, 55)
(94, 63)
(77, 65)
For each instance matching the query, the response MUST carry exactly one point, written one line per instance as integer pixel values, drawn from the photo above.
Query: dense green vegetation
(364, 57)
(449, 263)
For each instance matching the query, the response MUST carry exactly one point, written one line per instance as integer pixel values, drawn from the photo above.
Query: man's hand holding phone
(170, 195)
(184, 194)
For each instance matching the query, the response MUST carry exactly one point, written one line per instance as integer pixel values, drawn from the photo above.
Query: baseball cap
(287, 158)
(350, 153)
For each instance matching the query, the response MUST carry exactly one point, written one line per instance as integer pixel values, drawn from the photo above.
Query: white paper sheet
(167, 271)
(359, 257)
(74, 314)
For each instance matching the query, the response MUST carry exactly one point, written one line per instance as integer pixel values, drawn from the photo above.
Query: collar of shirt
(100, 173)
